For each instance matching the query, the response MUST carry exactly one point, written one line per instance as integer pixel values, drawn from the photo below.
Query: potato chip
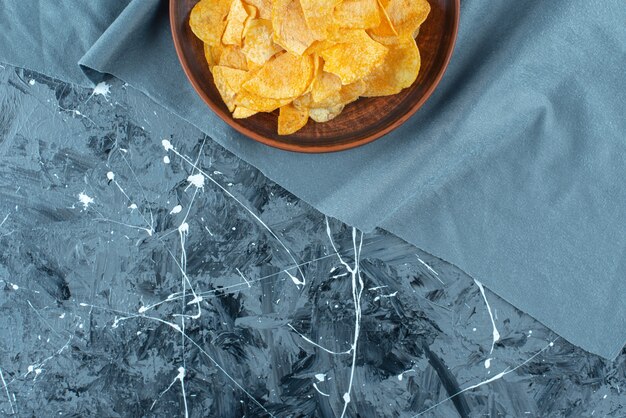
(264, 8)
(230, 56)
(207, 20)
(325, 114)
(241, 112)
(291, 119)
(354, 59)
(208, 55)
(347, 94)
(303, 102)
(385, 33)
(357, 14)
(318, 63)
(318, 15)
(228, 82)
(398, 71)
(407, 15)
(235, 22)
(282, 77)
(252, 11)
(325, 85)
(290, 29)
(351, 92)
(252, 15)
(258, 45)
(318, 46)
(257, 103)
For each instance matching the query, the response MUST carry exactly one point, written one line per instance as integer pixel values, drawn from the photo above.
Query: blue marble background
(147, 272)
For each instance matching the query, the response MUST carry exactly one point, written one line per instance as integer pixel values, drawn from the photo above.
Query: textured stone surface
(107, 237)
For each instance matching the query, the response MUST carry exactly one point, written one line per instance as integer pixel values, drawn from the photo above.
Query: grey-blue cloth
(515, 169)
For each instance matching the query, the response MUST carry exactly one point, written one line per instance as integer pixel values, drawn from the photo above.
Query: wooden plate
(360, 122)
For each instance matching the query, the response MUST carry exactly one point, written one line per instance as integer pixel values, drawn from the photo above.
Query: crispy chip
(351, 92)
(264, 8)
(258, 46)
(282, 77)
(229, 56)
(291, 119)
(325, 114)
(347, 94)
(241, 112)
(303, 102)
(318, 46)
(252, 11)
(385, 33)
(318, 15)
(318, 63)
(228, 82)
(208, 55)
(398, 71)
(235, 22)
(354, 59)
(407, 15)
(325, 85)
(290, 29)
(207, 20)
(358, 14)
(257, 103)
(252, 15)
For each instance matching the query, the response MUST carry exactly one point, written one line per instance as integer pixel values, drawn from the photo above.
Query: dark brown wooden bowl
(360, 122)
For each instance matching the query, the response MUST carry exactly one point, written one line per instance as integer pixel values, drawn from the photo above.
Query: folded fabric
(514, 170)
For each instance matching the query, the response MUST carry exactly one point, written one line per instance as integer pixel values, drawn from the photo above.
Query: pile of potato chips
(308, 58)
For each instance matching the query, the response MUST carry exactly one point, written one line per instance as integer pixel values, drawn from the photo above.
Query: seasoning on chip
(235, 22)
(291, 119)
(285, 76)
(398, 70)
(353, 57)
(308, 58)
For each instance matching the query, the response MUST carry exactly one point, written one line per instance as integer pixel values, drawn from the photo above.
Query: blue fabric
(514, 170)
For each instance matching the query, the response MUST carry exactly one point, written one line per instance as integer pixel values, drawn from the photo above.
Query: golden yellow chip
(229, 56)
(325, 85)
(290, 29)
(257, 103)
(228, 82)
(208, 55)
(352, 91)
(325, 114)
(207, 20)
(252, 15)
(407, 15)
(258, 46)
(235, 22)
(291, 119)
(241, 112)
(354, 59)
(398, 71)
(318, 63)
(303, 102)
(282, 77)
(264, 8)
(358, 14)
(318, 15)
(252, 11)
(385, 33)
(347, 94)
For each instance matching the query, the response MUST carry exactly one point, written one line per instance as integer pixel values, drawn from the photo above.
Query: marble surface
(147, 272)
